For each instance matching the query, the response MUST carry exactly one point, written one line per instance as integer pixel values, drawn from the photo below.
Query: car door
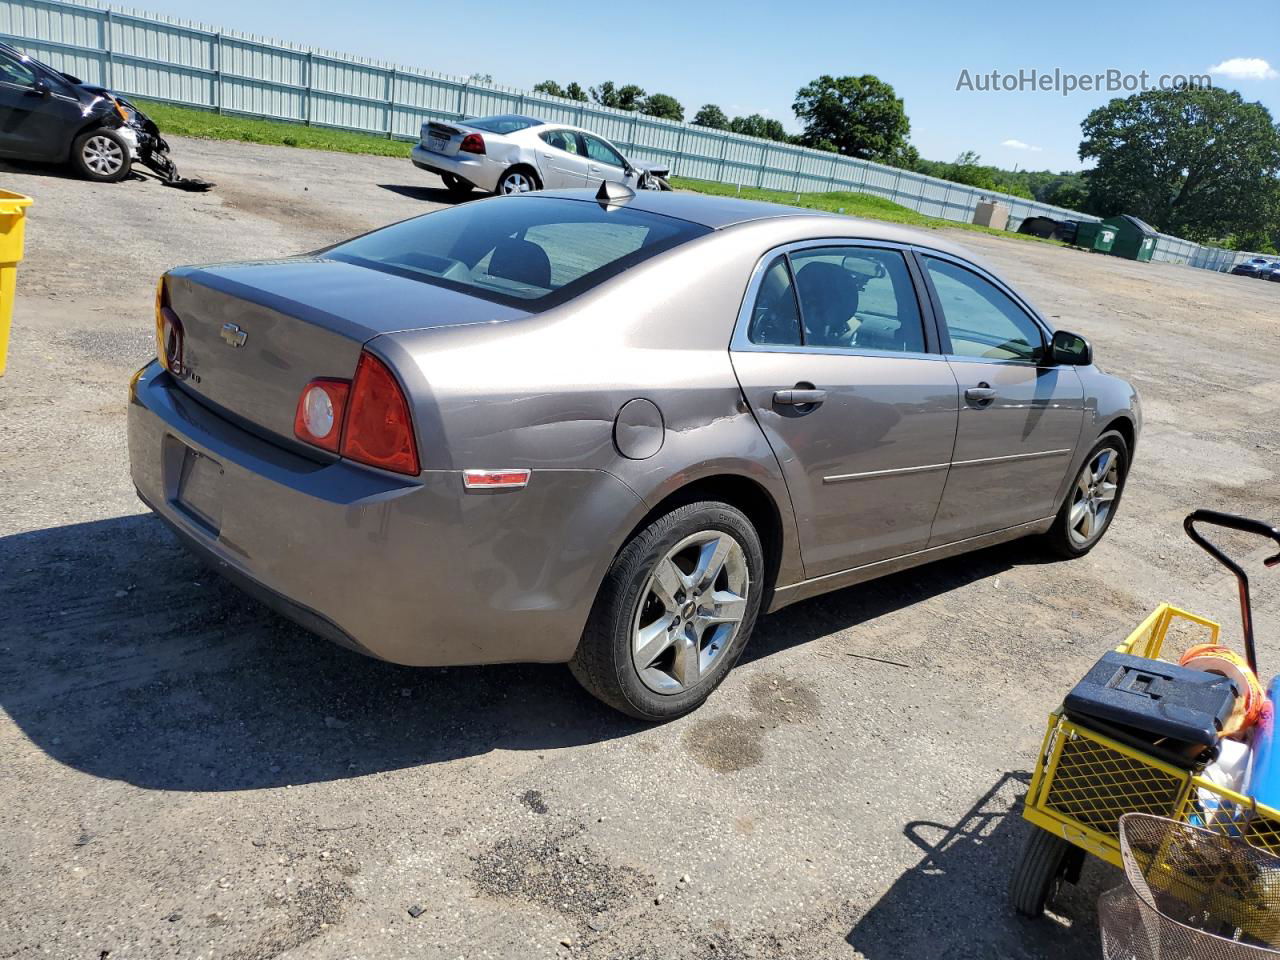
(837, 357)
(562, 160)
(33, 119)
(1020, 415)
(603, 161)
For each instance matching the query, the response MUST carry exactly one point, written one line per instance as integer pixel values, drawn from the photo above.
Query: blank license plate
(200, 489)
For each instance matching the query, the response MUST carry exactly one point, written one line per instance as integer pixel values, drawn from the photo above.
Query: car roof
(719, 213)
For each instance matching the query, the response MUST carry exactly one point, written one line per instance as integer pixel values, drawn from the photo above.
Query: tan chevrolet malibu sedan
(611, 429)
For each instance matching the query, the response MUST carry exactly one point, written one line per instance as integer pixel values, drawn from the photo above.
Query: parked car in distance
(53, 117)
(515, 154)
(1252, 267)
(1270, 272)
(611, 431)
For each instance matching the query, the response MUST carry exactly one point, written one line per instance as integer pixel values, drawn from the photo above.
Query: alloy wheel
(517, 183)
(1094, 497)
(103, 156)
(689, 611)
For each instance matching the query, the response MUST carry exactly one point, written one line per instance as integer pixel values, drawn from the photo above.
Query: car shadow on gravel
(431, 194)
(842, 609)
(953, 904)
(122, 656)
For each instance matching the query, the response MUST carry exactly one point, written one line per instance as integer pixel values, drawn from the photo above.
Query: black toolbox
(1177, 711)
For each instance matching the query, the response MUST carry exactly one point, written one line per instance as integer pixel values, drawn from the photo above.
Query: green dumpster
(1096, 236)
(1135, 240)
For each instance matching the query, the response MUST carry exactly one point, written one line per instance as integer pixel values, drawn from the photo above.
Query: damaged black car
(54, 117)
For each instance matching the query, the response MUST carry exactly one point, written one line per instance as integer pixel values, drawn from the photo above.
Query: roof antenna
(612, 193)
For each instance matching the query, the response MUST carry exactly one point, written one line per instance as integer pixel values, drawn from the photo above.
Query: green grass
(188, 122)
(851, 204)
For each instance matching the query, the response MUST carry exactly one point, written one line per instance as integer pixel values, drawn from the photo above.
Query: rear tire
(1039, 873)
(658, 659)
(101, 155)
(518, 180)
(1081, 511)
(456, 186)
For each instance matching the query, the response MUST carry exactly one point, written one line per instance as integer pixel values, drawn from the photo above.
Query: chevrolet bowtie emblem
(234, 335)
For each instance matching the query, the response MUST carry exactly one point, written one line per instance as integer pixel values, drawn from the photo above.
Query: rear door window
(858, 298)
(564, 140)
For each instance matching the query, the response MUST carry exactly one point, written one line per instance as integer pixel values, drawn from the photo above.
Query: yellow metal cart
(13, 208)
(1084, 781)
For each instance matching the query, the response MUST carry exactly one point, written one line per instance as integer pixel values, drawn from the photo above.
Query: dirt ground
(187, 775)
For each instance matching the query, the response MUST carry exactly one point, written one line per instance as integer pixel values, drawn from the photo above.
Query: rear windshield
(533, 252)
(506, 123)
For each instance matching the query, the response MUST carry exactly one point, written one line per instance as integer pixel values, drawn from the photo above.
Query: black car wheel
(674, 612)
(102, 155)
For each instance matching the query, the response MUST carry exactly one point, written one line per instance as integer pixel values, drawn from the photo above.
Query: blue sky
(752, 57)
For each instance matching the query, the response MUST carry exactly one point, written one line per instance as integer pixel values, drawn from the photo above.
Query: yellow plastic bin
(13, 214)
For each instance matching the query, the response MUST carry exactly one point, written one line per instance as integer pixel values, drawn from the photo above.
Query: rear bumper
(476, 169)
(410, 570)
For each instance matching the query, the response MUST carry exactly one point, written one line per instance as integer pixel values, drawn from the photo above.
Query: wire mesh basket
(1190, 894)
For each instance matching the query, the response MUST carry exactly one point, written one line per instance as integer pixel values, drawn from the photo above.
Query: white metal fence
(161, 58)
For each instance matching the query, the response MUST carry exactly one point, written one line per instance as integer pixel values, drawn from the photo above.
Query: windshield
(534, 252)
(506, 123)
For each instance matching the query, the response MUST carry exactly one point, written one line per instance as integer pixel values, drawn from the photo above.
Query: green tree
(709, 115)
(570, 91)
(861, 116)
(622, 98)
(1071, 193)
(758, 126)
(1200, 164)
(485, 78)
(662, 105)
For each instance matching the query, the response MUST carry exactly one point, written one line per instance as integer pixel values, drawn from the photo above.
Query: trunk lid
(255, 334)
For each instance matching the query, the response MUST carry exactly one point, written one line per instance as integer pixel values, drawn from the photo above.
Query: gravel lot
(187, 775)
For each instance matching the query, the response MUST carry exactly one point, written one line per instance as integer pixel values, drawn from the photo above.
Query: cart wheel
(1044, 864)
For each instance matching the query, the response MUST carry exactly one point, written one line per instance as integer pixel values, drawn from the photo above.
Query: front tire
(674, 612)
(518, 180)
(102, 155)
(1092, 500)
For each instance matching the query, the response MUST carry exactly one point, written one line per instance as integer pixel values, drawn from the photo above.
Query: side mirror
(1071, 349)
(41, 88)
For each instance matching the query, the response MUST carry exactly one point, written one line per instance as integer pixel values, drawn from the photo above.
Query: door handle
(799, 397)
(980, 395)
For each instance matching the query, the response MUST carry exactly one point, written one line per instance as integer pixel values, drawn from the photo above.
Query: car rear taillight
(472, 143)
(168, 332)
(318, 419)
(366, 419)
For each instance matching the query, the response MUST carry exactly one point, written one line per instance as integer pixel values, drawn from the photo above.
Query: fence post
(391, 104)
(795, 183)
(724, 153)
(306, 89)
(831, 177)
(217, 72)
(109, 79)
(760, 165)
(635, 121)
(462, 100)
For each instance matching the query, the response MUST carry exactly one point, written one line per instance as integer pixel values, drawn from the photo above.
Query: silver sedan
(516, 154)
(612, 429)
